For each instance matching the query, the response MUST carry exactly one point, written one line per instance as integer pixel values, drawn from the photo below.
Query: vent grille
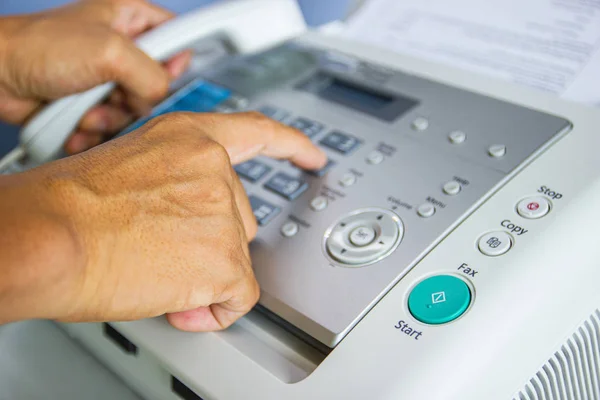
(573, 372)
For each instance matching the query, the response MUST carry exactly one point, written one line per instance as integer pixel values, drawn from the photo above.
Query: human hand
(50, 55)
(160, 222)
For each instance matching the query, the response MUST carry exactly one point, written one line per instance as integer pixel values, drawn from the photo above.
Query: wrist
(40, 256)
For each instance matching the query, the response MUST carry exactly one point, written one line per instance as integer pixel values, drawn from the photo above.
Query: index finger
(250, 134)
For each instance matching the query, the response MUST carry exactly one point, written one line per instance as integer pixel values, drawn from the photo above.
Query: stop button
(533, 207)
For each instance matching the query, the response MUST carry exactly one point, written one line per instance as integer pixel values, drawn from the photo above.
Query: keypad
(341, 142)
(286, 186)
(309, 127)
(252, 170)
(275, 113)
(263, 211)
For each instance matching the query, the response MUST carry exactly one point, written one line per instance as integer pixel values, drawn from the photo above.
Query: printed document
(551, 45)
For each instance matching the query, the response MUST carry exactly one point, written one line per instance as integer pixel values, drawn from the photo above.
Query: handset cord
(11, 158)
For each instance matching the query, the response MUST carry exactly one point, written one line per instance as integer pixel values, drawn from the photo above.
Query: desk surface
(39, 361)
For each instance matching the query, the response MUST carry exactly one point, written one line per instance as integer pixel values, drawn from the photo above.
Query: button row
(421, 124)
(254, 170)
(340, 142)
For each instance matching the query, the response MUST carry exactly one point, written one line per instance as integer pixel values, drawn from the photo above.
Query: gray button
(375, 157)
(274, 113)
(309, 127)
(319, 203)
(321, 172)
(497, 150)
(495, 243)
(341, 142)
(364, 237)
(420, 124)
(348, 179)
(237, 102)
(426, 210)
(286, 186)
(263, 211)
(290, 229)
(225, 109)
(452, 188)
(252, 170)
(457, 137)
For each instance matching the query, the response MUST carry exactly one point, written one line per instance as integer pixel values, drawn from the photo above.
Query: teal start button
(439, 299)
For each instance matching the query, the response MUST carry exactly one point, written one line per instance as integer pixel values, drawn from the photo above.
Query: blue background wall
(316, 12)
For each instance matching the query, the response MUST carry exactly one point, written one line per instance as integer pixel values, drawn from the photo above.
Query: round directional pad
(363, 237)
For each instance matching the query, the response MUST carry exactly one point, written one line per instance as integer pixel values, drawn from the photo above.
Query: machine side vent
(118, 339)
(181, 390)
(573, 372)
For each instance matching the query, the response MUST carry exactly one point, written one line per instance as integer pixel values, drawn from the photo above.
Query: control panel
(409, 160)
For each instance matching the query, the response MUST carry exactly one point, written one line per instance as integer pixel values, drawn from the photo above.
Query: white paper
(552, 45)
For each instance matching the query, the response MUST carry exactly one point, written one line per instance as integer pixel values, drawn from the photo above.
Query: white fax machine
(448, 250)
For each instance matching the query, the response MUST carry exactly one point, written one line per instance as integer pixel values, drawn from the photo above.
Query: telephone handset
(248, 25)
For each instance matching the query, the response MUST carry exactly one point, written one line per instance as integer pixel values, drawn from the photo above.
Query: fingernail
(176, 70)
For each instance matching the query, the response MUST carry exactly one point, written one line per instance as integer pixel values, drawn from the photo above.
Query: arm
(39, 251)
(151, 223)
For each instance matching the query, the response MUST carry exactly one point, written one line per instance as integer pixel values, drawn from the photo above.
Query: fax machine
(448, 250)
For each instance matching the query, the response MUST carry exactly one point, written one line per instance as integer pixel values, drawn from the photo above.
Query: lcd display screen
(381, 105)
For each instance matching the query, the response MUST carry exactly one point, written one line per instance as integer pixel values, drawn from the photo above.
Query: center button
(362, 236)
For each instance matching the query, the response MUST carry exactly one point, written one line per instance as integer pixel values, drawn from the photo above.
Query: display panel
(380, 105)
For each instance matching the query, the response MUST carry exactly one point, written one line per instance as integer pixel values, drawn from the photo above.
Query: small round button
(533, 207)
(420, 124)
(426, 210)
(452, 188)
(348, 179)
(457, 137)
(319, 203)
(375, 157)
(290, 229)
(497, 150)
(439, 299)
(495, 243)
(362, 236)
